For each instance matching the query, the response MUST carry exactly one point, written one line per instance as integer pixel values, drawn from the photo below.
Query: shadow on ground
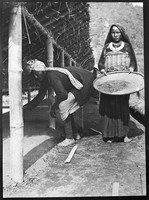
(94, 167)
(36, 124)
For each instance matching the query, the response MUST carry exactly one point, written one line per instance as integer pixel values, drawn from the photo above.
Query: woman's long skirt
(114, 111)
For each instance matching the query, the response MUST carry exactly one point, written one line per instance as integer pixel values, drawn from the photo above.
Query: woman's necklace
(116, 46)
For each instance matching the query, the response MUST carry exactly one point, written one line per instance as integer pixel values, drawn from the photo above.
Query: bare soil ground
(94, 168)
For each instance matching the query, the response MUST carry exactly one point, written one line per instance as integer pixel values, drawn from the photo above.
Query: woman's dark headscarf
(124, 38)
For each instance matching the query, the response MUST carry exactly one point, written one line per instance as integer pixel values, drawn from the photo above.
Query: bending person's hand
(29, 107)
(53, 112)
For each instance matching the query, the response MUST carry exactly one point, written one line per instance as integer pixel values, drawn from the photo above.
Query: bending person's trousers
(66, 110)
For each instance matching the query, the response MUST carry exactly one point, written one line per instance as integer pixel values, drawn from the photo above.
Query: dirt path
(96, 165)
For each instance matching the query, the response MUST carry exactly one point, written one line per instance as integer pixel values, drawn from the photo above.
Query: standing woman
(117, 55)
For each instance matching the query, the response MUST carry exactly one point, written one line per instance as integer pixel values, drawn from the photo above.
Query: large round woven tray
(119, 83)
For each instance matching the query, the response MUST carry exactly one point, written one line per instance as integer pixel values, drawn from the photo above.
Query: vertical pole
(51, 98)
(70, 62)
(75, 64)
(29, 94)
(1, 67)
(82, 121)
(15, 94)
(62, 59)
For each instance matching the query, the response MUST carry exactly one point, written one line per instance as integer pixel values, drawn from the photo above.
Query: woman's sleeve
(101, 63)
(132, 59)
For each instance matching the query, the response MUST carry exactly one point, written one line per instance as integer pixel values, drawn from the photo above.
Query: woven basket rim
(127, 90)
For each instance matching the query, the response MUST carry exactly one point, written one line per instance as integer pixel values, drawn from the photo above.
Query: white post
(62, 59)
(15, 94)
(70, 62)
(51, 98)
(75, 64)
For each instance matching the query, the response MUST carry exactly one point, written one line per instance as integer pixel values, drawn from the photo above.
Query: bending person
(73, 87)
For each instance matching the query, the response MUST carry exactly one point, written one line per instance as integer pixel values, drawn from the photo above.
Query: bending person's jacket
(61, 85)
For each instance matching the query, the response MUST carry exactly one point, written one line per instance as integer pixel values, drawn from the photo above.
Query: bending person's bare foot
(109, 141)
(78, 137)
(126, 139)
(66, 142)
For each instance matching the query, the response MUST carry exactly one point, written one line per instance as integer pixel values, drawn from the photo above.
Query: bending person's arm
(40, 96)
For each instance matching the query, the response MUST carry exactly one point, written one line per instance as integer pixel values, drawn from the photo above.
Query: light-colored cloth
(36, 65)
(68, 106)
(117, 61)
(72, 79)
(40, 66)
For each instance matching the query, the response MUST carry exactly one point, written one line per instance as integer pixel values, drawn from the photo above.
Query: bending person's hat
(35, 65)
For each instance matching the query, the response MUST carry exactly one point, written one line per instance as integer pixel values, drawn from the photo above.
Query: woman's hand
(103, 72)
(131, 69)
